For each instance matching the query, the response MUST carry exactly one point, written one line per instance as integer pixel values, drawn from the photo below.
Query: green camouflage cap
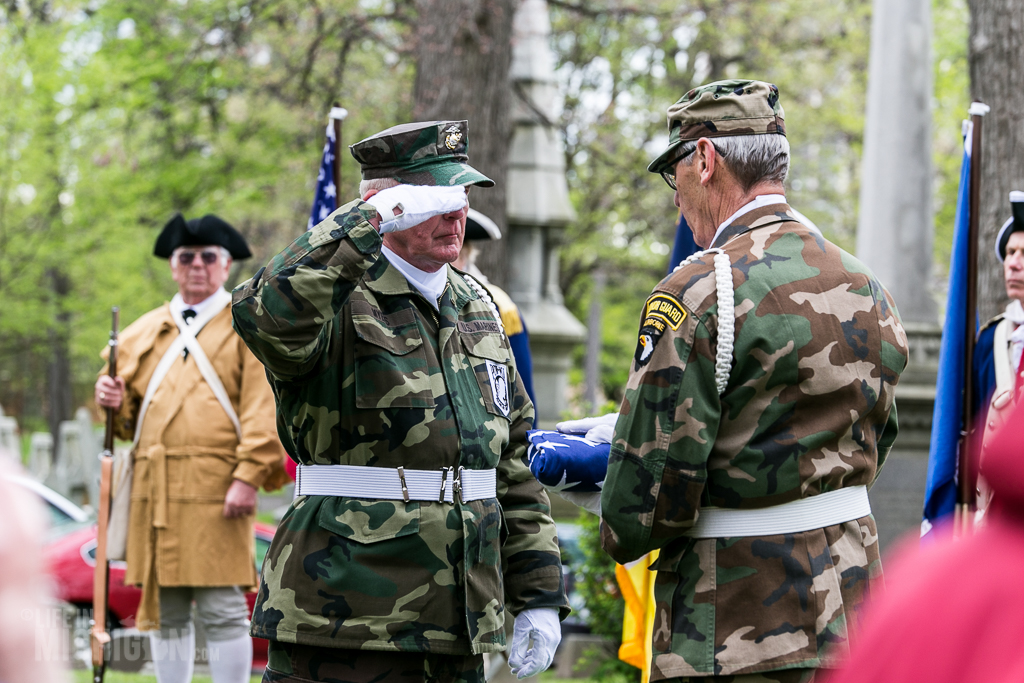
(421, 153)
(722, 109)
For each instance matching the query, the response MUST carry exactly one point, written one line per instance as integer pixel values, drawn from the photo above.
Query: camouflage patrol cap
(421, 153)
(722, 109)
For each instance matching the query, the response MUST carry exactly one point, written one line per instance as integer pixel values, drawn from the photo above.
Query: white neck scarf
(430, 285)
(1015, 314)
(178, 304)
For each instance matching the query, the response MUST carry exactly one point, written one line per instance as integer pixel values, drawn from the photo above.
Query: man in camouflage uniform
(391, 370)
(762, 383)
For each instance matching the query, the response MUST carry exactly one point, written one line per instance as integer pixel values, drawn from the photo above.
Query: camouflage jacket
(808, 408)
(366, 372)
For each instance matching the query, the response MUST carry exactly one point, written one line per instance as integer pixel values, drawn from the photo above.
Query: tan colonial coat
(187, 457)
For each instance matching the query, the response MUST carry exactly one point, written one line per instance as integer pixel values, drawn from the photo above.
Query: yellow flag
(636, 583)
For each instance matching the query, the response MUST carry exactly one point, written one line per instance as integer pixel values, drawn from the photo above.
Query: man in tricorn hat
(758, 409)
(198, 408)
(417, 529)
(998, 368)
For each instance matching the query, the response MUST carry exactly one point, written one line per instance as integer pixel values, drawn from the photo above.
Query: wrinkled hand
(240, 500)
(406, 206)
(539, 625)
(596, 429)
(109, 392)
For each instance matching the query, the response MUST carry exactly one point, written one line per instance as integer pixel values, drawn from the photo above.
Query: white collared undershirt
(430, 285)
(178, 304)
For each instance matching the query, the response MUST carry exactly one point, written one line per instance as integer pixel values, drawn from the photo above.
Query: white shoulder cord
(482, 292)
(726, 313)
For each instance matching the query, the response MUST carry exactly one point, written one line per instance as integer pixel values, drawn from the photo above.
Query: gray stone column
(895, 229)
(539, 209)
(894, 238)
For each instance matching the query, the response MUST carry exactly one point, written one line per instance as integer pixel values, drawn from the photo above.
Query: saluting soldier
(758, 410)
(417, 527)
(197, 405)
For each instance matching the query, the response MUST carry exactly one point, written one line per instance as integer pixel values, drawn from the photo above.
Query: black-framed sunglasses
(670, 176)
(208, 256)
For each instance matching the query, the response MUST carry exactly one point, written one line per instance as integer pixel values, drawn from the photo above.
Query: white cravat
(1015, 314)
(178, 304)
(430, 285)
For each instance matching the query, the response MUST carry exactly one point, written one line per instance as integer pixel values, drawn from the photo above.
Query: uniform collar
(385, 278)
(748, 219)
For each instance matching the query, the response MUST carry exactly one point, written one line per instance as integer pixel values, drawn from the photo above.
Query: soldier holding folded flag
(758, 409)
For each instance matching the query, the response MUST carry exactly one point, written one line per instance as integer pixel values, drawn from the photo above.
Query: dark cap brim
(661, 164)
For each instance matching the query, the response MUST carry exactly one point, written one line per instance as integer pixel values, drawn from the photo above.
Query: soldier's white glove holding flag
(405, 206)
(539, 626)
(598, 430)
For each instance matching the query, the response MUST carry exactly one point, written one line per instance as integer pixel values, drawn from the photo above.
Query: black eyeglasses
(670, 176)
(208, 256)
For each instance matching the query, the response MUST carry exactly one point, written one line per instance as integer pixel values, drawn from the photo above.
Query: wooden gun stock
(98, 636)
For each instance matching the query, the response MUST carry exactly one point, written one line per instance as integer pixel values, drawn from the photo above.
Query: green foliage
(599, 589)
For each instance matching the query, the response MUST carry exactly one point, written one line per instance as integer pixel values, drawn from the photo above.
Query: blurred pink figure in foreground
(954, 611)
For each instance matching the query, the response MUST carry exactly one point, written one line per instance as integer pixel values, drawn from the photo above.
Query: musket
(98, 636)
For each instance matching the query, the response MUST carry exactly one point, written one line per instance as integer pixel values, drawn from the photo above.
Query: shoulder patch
(662, 312)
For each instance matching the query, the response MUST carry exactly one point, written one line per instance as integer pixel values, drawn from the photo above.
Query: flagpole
(968, 475)
(338, 114)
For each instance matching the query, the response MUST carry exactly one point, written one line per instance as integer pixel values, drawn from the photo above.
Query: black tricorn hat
(200, 232)
(480, 227)
(1015, 223)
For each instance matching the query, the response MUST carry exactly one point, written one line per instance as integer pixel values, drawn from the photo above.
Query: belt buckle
(444, 479)
(405, 489)
(457, 486)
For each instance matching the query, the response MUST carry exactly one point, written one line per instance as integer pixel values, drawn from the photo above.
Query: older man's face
(1013, 266)
(433, 243)
(199, 271)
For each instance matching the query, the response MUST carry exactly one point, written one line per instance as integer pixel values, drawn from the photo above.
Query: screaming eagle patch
(662, 312)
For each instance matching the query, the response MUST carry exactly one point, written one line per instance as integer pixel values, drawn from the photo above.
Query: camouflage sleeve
(885, 442)
(531, 562)
(284, 313)
(668, 420)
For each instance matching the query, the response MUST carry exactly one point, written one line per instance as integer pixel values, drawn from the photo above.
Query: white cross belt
(816, 512)
(396, 483)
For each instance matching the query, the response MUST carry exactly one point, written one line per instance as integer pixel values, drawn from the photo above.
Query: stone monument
(539, 210)
(894, 238)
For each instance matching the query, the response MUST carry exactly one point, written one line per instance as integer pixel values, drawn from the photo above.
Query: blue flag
(948, 417)
(326, 200)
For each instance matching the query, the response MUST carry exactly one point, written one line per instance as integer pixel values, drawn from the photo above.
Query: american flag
(326, 200)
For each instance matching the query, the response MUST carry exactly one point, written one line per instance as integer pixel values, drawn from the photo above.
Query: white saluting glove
(535, 637)
(596, 429)
(416, 204)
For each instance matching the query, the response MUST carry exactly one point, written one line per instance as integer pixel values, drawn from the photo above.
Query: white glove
(588, 500)
(596, 429)
(539, 625)
(416, 203)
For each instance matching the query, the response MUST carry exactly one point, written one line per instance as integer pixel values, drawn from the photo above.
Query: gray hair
(376, 184)
(750, 158)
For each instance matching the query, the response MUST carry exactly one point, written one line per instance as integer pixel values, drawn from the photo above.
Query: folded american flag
(565, 462)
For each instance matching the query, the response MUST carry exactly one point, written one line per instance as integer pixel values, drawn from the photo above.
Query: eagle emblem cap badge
(454, 137)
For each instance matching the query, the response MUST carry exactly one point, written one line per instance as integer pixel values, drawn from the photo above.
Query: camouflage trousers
(784, 676)
(290, 663)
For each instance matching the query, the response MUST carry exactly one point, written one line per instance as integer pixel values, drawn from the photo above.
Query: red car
(71, 558)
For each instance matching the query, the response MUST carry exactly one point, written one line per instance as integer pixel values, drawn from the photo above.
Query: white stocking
(173, 658)
(230, 660)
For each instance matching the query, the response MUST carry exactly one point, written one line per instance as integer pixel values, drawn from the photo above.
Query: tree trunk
(464, 50)
(997, 79)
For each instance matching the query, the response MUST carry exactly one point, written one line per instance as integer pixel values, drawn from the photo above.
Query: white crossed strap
(443, 485)
(815, 512)
(187, 340)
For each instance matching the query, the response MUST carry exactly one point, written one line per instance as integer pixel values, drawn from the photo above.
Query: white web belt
(396, 483)
(816, 512)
